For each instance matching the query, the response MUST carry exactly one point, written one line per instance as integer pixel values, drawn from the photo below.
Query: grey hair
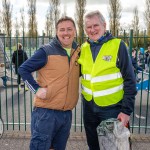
(95, 13)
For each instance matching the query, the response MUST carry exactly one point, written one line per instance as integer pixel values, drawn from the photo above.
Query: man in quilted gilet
(56, 87)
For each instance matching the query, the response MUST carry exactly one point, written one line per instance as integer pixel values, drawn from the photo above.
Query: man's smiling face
(66, 33)
(94, 28)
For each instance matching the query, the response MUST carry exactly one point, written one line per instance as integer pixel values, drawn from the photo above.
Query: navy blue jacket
(137, 68)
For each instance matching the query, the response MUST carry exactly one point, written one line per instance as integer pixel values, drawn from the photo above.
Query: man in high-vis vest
(108, 81)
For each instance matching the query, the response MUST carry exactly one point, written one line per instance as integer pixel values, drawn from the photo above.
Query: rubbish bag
(113, 135)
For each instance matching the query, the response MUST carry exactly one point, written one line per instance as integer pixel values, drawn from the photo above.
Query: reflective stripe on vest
(102, 78)
(88, 91)
(86, 76)
(103, 92)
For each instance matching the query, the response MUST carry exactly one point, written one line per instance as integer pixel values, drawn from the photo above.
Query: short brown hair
(19, 46)
(65, 18)
(133, 49)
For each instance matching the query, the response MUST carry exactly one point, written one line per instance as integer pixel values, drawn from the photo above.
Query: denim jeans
(49, 129)
(4, 78)
(92, 117)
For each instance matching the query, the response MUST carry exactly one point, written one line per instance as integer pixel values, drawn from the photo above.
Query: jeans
(92, 117)
(4, 78)
(50, 129)
(19, 79)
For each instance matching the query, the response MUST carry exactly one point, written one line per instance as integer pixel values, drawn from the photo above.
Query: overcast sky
(69, 5)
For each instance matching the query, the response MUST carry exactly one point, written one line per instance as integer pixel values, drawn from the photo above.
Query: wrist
(36, 90)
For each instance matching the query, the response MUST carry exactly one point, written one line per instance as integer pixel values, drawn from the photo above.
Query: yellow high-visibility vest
(101, 80)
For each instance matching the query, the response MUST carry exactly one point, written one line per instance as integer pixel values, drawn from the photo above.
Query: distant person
(2, 74)
(147, 59)
(56, 88)
(136, 67)
(19, 56)
(2, 67)
(108, 80)
(141, 58)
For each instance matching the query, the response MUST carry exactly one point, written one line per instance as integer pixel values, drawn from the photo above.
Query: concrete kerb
(27, 135)
(140, 137)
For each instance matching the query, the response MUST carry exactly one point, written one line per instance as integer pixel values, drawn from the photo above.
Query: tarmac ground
(77, 141)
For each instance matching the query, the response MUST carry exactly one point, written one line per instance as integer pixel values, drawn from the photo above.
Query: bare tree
(7, 16)
(135, 21)
(17, 27)
(1, 22)
(80, 11)
(49, 22)
(22, 21)
(135, 26)
(52, 16)
(114, 15)
(65, 10)
(56, 11)
(32, 26)
(147, 16)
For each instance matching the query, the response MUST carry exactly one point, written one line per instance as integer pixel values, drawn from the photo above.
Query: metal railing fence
(16, 106)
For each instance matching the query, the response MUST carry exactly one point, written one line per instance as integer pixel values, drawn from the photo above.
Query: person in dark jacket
(108, 80)
(136, 67)
(56, 88)
(2, 69)
(141, 58)
(18, 57)
(147, 59)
